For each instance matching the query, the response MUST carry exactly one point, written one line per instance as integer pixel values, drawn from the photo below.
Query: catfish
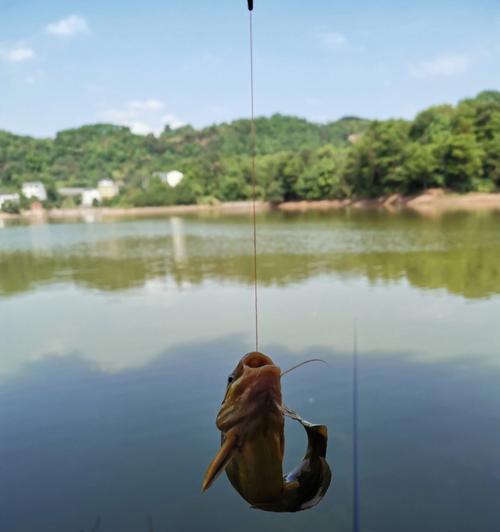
(251, 420)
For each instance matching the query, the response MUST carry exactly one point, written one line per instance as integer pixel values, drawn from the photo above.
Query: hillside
(452, 147)
(82, 156)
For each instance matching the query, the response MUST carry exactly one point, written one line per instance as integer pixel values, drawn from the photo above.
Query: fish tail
(317, 436)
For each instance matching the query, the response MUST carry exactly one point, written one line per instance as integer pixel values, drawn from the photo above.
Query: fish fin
(221, 460)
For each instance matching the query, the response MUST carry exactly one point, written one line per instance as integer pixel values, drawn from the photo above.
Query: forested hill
(84, 155)
(454, 147)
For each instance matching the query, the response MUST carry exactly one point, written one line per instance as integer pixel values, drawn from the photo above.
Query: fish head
(253, 393)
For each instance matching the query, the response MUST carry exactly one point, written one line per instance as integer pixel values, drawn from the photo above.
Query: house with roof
(172, 178)
(90, 197)
(34, 189)
(107, 188)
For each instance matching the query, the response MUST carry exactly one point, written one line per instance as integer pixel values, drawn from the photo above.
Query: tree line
(455, 147)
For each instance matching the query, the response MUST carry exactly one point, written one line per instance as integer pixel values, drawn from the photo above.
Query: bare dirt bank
(430, 203)
(436, 202)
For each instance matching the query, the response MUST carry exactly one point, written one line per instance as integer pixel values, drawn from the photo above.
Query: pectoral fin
(222, 458)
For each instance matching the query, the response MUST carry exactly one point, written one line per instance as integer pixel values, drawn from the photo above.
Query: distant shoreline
(432, 202)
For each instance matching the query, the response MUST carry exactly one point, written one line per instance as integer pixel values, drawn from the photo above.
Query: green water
(117, 338)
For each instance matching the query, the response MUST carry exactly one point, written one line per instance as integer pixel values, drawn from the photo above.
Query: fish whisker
(303, 363)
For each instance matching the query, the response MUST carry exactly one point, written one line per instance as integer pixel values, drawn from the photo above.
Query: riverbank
(433, 202)
(124, 212)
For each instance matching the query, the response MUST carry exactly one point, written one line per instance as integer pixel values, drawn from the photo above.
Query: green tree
(373, 163)
(432, 123)
(323, 179)
(10, 207)
(460, 161)
(419, 168)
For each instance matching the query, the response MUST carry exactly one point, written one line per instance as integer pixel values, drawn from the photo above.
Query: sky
(148, 63)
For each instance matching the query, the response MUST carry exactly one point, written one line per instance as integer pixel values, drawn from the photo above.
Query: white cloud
(68, 27)
(444, 65)
(146, 105)
(142, 117)
(333, 40)
(17, 54)
(141, 128)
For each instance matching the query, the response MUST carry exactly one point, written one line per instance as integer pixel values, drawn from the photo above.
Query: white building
(7, 196)
(107, 188)
(34, 189)
(172, 178)
(90, 196)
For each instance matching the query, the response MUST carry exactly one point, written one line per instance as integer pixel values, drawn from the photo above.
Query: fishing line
(253, 137)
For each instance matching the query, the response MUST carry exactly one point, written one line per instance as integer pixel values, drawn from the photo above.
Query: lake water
(117, 339)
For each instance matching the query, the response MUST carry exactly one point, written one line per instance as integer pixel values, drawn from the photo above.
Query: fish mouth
(261, 376)
(257, 360)
(260, 369)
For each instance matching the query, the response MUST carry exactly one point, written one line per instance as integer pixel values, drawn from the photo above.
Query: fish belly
(256, 471)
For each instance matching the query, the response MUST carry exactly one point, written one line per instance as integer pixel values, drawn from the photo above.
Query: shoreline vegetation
(432, 202)
(300, 165)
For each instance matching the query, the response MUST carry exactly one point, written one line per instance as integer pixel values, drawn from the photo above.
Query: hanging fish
(251, 420)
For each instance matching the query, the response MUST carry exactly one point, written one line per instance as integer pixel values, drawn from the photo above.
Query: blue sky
(147, 63)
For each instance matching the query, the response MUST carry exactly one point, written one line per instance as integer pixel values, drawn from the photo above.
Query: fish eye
(230, 379)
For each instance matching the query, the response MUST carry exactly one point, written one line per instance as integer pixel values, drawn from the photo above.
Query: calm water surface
(117, 338)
